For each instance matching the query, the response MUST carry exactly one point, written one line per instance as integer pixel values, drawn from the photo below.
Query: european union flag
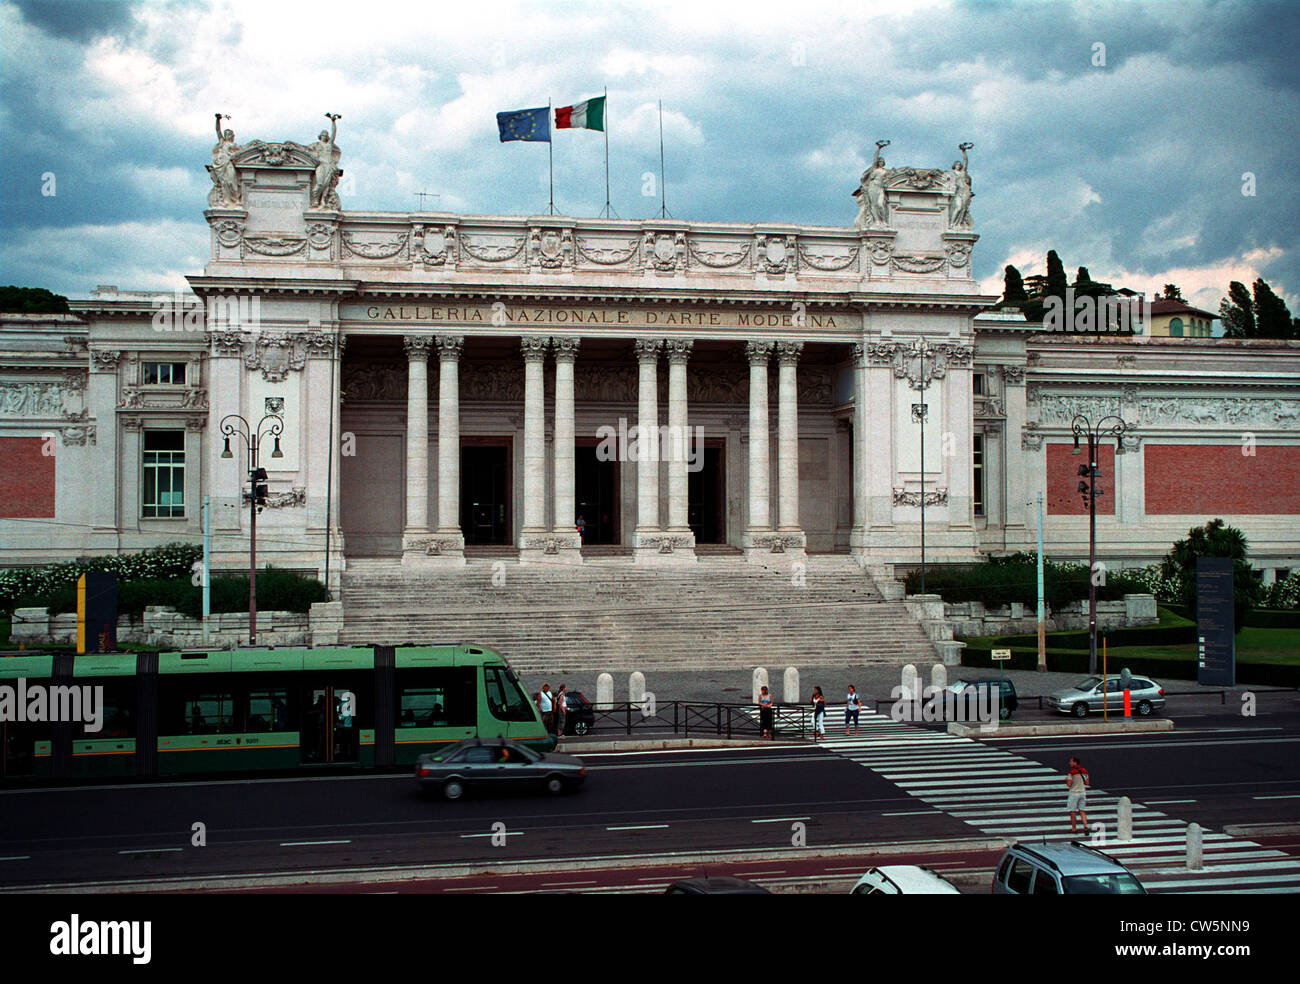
(525, 124)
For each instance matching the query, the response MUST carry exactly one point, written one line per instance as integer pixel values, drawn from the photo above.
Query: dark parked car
(501, 763)
(717, 885)
(964, 697)
(581, 715)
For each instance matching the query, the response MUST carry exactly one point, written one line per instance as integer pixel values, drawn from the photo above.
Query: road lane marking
(781, 820)
(757, 874)
(503, 833)
(305, 843)
(913, 813)
(567, 884)
(1166, 802)
(17, 857)
(474, 888)
(152, 850)
(1288, 796)
(640, 826)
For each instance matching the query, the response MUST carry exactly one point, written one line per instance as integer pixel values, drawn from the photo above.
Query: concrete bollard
(910, 686)
(790, 686)
(760, 681)
(939, 677)
(1124, 828)
(605, 692)
(1195, 857)
(636, 688)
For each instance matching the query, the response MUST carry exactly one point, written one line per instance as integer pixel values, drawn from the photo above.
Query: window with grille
(164, 474)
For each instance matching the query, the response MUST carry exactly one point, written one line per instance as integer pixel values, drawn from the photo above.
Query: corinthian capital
(417, 346)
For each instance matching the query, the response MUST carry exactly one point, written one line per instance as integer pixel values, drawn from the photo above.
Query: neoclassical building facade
(556, 388)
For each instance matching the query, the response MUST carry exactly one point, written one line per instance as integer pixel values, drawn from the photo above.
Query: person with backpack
(852, 707)
(1077, 783)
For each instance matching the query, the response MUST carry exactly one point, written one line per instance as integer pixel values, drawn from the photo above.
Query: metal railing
(689, 718)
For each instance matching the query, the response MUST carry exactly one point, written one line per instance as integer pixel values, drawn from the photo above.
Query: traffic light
(259, 486)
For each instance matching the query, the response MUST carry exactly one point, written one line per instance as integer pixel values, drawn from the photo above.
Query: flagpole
(663, 190)
(609, 211)
(550, 154)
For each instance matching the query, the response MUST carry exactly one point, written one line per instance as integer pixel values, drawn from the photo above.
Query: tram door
(329, 728)
(17, 748)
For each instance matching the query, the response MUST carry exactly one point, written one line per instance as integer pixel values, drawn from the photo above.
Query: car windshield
(1119, 883)
(1087, 684)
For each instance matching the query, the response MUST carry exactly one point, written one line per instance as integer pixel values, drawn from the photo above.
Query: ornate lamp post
(920, 411)
(271, 425)
(1094, 433)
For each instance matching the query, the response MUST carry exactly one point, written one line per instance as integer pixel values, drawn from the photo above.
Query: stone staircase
(611, 614)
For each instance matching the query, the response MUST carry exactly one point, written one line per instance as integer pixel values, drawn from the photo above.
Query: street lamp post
(1083, 427)
(231, 425)
(919, 412)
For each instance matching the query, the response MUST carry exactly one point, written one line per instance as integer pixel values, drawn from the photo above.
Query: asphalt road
(1217, 768)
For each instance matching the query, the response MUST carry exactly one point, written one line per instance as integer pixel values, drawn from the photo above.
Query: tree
(1082, 277)
(32, 300)
(1272, 317)
(1173, 293)
(1237, 312)
(1056, 282)
(1013, 289)
(1215, 539)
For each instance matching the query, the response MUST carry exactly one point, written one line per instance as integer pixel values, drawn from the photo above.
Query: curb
(1081, 728)
(347, 876)
(663, 744)
(1249, 830)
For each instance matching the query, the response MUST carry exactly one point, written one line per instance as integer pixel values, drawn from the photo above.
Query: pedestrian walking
(546, 704)
(765, 714)
(1076, 800)
(561, 708)
(852, 706)
(819, 714)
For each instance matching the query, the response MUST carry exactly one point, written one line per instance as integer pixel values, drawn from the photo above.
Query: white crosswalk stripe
(1005, 795)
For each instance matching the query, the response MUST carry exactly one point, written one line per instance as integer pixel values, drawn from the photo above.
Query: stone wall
(165, 628)
(971, 618)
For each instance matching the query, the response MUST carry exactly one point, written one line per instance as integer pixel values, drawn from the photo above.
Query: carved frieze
(485, 252)
(1031, 438)
(908, 497)
(274, 245)
(718, 259)
(31, 399)
(622, 254)
(830, 262)
(921, 368)
(665, 251)
(226, 343)
(104, 360)
(364, 381)
(1230, 410)
(550, 249)
(376, 249)
(1013, 374)
(434, 247)
(917, 264)
(776, 254)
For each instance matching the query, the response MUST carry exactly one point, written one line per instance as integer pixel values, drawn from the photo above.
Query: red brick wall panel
(26, 478)
(1061, 496)
(1204, 479)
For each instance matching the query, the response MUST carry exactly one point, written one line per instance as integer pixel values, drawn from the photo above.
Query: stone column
(450, 542)
(535, 539)
(861, 416)
(1020, 528)
(568, 543)
(757, 539)
(416, 542)
(132, 467)
(683, 539)
(787, 455)
(105, 470)
(648, 539)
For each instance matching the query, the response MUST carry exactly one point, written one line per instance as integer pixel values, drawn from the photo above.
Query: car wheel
(453, 789)
(554, 785)
(1079, 710)
(1144, 707)
(581, 727)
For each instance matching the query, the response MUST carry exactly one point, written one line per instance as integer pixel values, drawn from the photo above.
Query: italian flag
(589, 115)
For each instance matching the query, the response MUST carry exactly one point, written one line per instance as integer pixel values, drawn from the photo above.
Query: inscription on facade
(507, 315)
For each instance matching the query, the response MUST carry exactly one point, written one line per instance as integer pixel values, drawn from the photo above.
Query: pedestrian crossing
(1005, 795)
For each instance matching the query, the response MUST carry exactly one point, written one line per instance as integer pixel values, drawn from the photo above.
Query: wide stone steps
(610, 614)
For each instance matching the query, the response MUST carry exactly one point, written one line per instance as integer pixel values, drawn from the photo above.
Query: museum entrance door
(706, 496)
(596, 494)
(485, 493)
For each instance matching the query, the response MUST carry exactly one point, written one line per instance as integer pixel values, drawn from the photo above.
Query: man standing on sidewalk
(546, 705)
(1077, 782)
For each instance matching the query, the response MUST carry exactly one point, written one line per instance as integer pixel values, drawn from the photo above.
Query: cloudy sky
(1134, 167)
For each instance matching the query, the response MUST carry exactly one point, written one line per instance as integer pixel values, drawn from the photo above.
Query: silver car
(1092, 693)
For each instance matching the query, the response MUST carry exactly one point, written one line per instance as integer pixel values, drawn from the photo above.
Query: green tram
(197, 712)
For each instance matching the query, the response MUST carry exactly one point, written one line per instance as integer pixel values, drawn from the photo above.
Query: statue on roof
(326, 179)
(225, 179)
(873, 210)
(959, 207)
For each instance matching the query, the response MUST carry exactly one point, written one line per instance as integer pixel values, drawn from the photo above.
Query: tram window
(268, 710)
(208, 714)
(505, 700)
(116, 711)
(438, 698)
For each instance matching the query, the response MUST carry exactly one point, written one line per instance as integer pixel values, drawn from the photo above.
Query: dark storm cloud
(77, 20)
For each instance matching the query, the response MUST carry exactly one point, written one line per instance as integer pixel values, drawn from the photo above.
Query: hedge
(1266, 674)
(1001, 580)
(277, 590)
(36, 587)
